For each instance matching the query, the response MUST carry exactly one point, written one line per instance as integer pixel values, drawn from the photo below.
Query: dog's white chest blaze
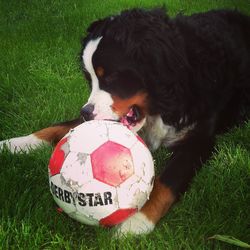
(101, 100)
(158, 133)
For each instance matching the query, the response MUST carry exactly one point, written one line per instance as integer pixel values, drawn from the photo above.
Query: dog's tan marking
(55, 133)
(122, 106)
(52, 134)
(160, 201)
(100, 71)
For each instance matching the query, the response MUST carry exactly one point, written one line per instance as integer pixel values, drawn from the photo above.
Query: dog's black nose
(87, 112)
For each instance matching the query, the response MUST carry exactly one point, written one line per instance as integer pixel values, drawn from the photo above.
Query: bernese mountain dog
(181, 81)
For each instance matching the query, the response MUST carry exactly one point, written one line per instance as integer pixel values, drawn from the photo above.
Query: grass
(41, 83)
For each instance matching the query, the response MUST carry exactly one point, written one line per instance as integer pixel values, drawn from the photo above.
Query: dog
(181, 81)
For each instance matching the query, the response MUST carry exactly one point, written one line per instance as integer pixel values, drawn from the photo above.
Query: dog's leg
(143, 222)
(45, 136)
(186, 159)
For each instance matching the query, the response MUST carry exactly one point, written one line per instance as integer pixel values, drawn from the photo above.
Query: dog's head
(118, 89)
(124, 59)
(118, 92)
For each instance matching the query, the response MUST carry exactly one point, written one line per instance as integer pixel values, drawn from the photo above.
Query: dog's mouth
(132, 117)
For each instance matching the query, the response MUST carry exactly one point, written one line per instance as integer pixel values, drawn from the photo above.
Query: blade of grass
(230, 240)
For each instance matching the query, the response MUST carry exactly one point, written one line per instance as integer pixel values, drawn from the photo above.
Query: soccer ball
(101, 173)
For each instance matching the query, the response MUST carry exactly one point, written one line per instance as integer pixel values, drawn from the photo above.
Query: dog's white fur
(136, 224)
(22, 144)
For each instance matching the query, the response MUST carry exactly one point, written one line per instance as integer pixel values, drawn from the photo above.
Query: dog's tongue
(127, 119)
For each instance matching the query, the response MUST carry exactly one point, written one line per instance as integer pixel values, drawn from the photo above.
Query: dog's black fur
(195, 69)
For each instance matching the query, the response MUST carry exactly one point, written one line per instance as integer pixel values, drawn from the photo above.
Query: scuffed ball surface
(101, 173)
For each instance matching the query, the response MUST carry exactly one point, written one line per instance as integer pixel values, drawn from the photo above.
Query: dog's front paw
(135, 225)
(21, 144)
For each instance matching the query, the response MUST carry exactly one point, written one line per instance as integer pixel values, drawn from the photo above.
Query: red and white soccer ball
(101, 173)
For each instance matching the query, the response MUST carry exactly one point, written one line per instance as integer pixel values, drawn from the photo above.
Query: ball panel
(96, 200)
(84, 219)
(117, 217)
(121, 134)
(76, 170)
(88, 136)
(57, 158)
(143, 162)
(112, 163)
(133, 193)
(62, 194)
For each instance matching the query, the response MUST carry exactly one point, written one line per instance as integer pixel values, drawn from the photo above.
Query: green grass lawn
(41, 83)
